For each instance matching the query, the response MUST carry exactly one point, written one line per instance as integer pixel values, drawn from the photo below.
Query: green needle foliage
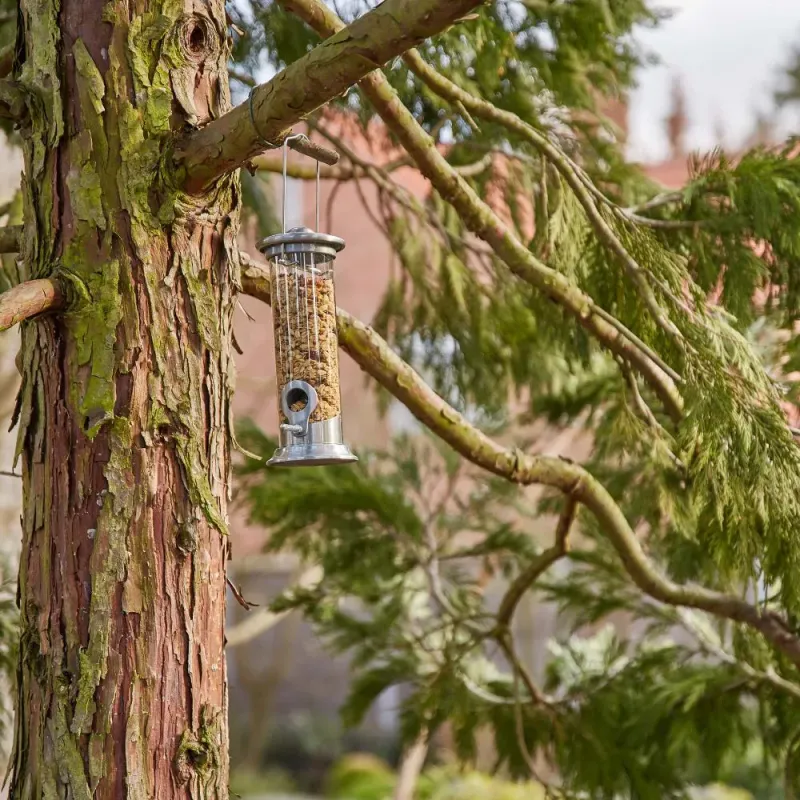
(414, 545)
(705, 281)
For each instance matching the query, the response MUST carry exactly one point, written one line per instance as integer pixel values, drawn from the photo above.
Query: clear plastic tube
(306, 344)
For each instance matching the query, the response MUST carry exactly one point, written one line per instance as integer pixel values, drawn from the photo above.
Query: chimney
(677, 120)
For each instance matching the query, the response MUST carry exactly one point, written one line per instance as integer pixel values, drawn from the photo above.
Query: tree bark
(124, 408)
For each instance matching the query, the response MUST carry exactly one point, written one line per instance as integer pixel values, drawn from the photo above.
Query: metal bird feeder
(306, 338)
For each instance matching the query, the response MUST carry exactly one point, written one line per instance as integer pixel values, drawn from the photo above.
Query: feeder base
(312, 455)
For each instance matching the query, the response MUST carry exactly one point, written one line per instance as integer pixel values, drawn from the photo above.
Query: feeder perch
(306, 338)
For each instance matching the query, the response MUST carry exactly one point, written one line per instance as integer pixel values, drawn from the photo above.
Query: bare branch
(238, 596)
(28, 300)
(273, 162)
(326, 72)
(243, 77)
(411, 765)
(482, 221)
(304, 171)
(476, 168)
(253, 626)
(536, 694)
(665, 199)
(264, 619)
(525, 580)
(11, 239)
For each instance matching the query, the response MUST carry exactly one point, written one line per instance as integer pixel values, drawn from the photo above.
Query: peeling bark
(124, 408)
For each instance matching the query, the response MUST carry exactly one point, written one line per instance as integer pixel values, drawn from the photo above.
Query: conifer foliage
(542, 279)
(544, 268)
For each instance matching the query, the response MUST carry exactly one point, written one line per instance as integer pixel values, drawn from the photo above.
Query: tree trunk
(124, 408)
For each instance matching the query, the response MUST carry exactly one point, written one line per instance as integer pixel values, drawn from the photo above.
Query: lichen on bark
(124, 410)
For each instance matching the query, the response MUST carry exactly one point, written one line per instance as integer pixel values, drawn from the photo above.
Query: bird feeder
(306, 337)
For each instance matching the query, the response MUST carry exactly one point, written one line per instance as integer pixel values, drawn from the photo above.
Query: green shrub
(449, 784)
(361, 776)
(365, 777)
(247, 782)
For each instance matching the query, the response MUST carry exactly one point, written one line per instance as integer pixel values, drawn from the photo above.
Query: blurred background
(719, 77)
(722, 75)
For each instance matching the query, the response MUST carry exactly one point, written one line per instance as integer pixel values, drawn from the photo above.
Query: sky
(727, 52)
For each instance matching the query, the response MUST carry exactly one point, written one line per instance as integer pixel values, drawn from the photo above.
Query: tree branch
(382, 179)
(326, 72)
(581, 186)
(304, 171)
(715, 649)
(411, 765)
(379, 361)
(11, 239)
(242, 77)
(273, 162)
(482, 221)
(264, 619)
(525, 580)
(28, 300)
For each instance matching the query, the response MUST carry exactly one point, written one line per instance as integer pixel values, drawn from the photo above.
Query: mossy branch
(379, 361)
(482, 221)
(326, 72)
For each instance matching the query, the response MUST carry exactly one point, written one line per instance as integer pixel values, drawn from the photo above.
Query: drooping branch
(482, 221)
(11, 239)
(580, 184)
(28, 300)
(326, 72)
(379, 361)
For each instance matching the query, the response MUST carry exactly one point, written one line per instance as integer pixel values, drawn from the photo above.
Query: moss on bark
(124, 409)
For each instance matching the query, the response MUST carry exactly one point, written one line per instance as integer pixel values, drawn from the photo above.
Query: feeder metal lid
(301, 240)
